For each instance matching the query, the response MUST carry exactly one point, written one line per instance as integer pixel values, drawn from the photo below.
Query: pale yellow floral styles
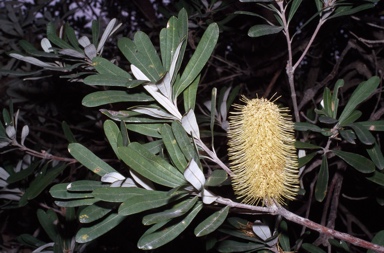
(262, 153)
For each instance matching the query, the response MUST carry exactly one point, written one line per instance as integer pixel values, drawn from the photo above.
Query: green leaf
(52, 36)
(306, 159)
(29, 240)
(43, 180)
(377, 178)
(190, 93)
(67, 132)
(322, 180)
(312, 248)
(76, 203)
(199, 59)
(240, 234)
(174, 151)
(216, 178)
(110, 80)
(327, 100)
(305, 126)
(185, 143)
(22, 173)
(60, 191)
(295, 5)
(349, 11)
(107, 68)
(348, 135)
(335, 100)
(112, 133)
(84, 185)
(154, 147)
(378, 239)
(211, 223)
(358, 162)
(176, 211)
(87, 234)
(339, 246)
(284, 236)
(355, 115)
(47, 221)
(150, 166)
(372, 125)
(362, 92)
(305, 145)
(159, 238)
(89, 159)
(95, 32)
(152, 130)
(171, 36)
(140, 203)
(118, 194)
(113, 96)
(235, 246)
(262, 30)
(71, 36)
(363, 134)
(92, 213)
(376, 155)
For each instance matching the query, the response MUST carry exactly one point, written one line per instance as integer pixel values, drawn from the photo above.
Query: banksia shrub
(262, 153)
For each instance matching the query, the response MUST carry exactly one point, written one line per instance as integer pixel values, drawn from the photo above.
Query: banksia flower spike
(262, 153)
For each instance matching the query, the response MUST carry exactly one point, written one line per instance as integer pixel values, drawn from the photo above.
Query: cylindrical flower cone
(262, 153)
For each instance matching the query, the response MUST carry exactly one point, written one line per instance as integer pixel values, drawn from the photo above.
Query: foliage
(161, 160)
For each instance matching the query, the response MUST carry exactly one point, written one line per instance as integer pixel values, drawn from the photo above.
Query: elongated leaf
(305, 126)
(349, 11)
(176, 211)
(87, 234)
(355, 115)
(312, 248)
(211, 223)
(363, 134)
(150, 166)
(174, 151)
(284, 236)
(22, 174)
(112, 132)
(75, 203)
(305, 145)
(348, 135)
(67, 132)
(327, 101)
(306, 159)
(84, 186)
(140, 203)
(185, 143)
(170, 37)
(118, 194)
(113, 96)
(216, 178)
(358, 162)
(95, 32)
(89, 159)
(372, 125)
(150, 129)
(377, 178)
(92, 213)
(159, 238)
(322, 180)
(262, 30)
(111, 80)
(43, 180)
(47, 221)
(52, 36)
(60, 191)
(71, 36)
(376, 155)
(362, 92)
(189, 123)
(378, 239)
(235, 246)
(294, 6)
(198, 59)
(104, 66)
(335, 100)
(190, 93)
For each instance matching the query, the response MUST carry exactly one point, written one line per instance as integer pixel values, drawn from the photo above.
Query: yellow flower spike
(262, 153)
